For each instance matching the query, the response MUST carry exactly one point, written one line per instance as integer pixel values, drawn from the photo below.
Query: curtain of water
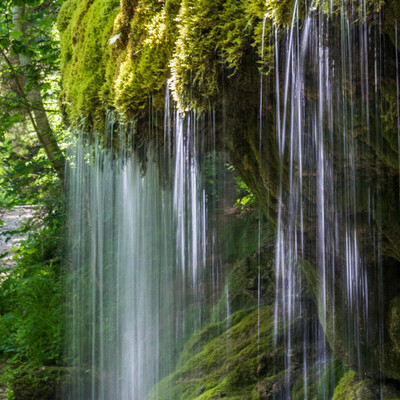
(145, 265)
(324, 100)
(121, 242)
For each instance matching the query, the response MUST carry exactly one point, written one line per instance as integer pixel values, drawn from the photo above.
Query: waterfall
(143, 254)
(327, 80)
(121, 244)
(154, 252)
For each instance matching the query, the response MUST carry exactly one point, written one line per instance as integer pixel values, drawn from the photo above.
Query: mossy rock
(116, 54)
(226, 360)
(352, 387)
(38, 383)
(249, 279)
(321, 382)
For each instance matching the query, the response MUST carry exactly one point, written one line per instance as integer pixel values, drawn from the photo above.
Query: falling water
(146, 262)
(150, 253)
(121, 243)
(325, 99)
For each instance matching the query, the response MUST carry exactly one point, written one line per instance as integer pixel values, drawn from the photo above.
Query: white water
(144, 257)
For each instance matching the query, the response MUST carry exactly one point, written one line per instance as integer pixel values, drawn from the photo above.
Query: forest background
(32, 139)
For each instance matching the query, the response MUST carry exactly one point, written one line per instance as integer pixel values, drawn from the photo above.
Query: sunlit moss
(86, 28)
(115, 54)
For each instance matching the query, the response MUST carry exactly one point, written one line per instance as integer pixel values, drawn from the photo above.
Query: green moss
(320, 383)
(143, 67)
(223, 360)
(86, 27)
(351, 387)
(115, 54)
(256, 271)
(394, 323)
(212, 35)
(29, 382)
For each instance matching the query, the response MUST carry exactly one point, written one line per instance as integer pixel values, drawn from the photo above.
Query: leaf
(4, 42)
(16, 34)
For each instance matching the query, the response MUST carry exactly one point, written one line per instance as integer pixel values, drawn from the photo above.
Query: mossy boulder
(352, 387)
(233, 359)
(249, 280)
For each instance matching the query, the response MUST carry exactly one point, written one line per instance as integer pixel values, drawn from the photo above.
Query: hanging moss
(143, 66)
(86, 27)
(117, 53)
(212, 35)
(113, 55)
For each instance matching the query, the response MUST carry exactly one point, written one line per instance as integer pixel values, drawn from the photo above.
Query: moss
(115, 54)
(247, 276)
(394, 323)
(392, 16)
(143, 66)
(223, 360)
(320, 383)
(29, 382)
(86, 27)
(212, 35)
(349, 388)
(352, 387)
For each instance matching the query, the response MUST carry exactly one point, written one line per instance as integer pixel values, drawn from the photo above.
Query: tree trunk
(35, 106)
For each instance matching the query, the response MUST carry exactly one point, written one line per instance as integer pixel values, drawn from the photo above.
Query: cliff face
(222, 56)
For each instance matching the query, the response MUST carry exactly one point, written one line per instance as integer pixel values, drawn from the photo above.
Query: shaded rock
(42, 383)
(351, 387)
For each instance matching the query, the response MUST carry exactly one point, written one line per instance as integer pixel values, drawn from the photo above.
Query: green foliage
(246, 197)
(26, 175)
(32, 303)
(31, 296)
(29, 382)
(40, 44)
